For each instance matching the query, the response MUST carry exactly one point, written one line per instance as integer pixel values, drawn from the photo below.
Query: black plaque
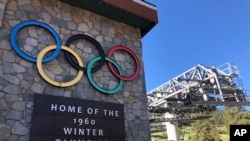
(68, 119)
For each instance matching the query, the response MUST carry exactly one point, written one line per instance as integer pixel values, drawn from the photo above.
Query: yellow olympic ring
(47, 78)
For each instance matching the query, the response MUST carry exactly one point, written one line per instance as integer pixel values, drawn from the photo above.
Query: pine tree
(205, 130)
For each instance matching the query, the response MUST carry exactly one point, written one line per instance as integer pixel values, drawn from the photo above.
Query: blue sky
(191, 32)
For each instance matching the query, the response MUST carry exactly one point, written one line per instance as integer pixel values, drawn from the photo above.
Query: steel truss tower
(200, 88)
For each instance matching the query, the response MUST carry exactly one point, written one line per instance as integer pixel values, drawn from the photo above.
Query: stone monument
(72, 70)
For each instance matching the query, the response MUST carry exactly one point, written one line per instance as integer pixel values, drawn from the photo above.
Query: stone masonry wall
(20, 80)
(2, 9)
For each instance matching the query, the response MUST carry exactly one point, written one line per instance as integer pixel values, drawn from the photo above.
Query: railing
(228, 69)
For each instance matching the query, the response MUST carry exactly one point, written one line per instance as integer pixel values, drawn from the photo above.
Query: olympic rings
(77, 62)
(47, 78)
(17, 49)
(93, 41)
(128, 78)
(111, 91)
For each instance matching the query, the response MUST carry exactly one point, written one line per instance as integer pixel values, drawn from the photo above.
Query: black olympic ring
(93, 41)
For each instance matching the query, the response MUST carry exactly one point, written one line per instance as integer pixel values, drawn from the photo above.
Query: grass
(224, 137)
(159, 134)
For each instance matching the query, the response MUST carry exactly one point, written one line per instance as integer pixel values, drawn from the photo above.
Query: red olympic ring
(113, 69)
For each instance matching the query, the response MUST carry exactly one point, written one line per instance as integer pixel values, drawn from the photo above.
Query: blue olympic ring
(27, 57)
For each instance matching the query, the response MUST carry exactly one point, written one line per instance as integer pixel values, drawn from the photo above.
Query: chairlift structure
(198, 89)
